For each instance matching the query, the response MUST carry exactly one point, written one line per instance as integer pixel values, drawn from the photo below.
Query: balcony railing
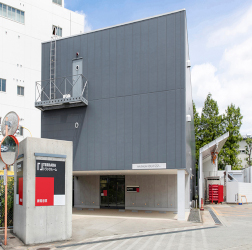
(63, 92)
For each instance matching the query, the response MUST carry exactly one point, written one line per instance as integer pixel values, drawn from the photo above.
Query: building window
(56, 31)
(11, 13)
(20, 90)
(2, 85)
(59, 2)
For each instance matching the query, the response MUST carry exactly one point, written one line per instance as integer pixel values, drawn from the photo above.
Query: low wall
(236, 189)
(87, 191)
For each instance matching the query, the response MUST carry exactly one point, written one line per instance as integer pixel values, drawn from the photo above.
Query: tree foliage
(211, 121)
(210, 125)
(10, 201)
(248, 150)
(232, 121)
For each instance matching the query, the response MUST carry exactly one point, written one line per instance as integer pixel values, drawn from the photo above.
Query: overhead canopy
(213, 146)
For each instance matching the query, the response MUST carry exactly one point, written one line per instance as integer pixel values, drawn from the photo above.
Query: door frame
(112, 207)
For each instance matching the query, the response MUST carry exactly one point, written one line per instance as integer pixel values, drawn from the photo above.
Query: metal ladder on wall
(53, 67)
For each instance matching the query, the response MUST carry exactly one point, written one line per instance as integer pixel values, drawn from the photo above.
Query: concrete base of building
(157, 192)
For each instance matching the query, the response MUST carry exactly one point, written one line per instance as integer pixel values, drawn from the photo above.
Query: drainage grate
(215, 218)
(44, 248)
(194, 215)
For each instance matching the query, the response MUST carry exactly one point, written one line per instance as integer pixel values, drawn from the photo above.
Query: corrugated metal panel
(112, 134)
(120, 58)
(128, 132)
(161, 121)
(120, 114)
(105, 134)
(153, 126)
(105, 66)
(97, 66)
(136, 111)
(153, 55)
(144, 127)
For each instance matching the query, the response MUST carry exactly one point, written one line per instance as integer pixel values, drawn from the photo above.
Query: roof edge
(122, 24)
(216, 141)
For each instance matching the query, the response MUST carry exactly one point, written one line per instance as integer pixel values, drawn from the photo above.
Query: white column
(181, 194)
(200, 184)
(187, 191)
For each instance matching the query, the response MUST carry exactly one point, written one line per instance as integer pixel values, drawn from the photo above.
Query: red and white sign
(44, 195)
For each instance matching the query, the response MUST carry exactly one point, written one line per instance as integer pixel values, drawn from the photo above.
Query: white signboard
(149, 166)
(5, 176)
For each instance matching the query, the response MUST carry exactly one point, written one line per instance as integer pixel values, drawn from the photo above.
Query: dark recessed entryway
(112, 191)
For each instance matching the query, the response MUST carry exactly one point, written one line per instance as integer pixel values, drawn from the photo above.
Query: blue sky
(220, 36)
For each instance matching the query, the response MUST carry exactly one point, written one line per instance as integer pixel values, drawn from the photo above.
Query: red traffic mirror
(9, 149)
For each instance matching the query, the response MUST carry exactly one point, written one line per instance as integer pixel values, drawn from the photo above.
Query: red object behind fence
(220, 198)
(216, 193)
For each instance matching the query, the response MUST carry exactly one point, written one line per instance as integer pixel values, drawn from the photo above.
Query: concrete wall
(38, 224)
(209, 169)
(137, 96)
(87, 191)
(240, 188)
(248, 175)
(157, 192)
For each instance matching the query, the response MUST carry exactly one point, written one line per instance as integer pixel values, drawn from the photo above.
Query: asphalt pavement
(232, 231)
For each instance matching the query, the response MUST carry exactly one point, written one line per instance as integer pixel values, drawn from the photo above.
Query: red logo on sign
(44, 195)
(20, 191)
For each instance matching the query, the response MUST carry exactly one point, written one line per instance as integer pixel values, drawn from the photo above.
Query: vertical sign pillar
(181, 194)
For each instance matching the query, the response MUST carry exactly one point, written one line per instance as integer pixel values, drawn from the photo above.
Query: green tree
(10, 201)
(198, 141)
(210, 122)
(232, 121)
(248, 150)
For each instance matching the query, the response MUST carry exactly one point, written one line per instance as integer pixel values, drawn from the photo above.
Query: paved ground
(126, 232)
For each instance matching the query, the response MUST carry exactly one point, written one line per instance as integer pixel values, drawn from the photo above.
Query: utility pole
(6, 186)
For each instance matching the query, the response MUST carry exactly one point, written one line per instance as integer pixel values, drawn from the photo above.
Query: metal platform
(62, 97)
(61, 103)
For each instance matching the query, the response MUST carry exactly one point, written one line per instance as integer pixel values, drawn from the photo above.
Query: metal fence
(10, 202)
(61, 87)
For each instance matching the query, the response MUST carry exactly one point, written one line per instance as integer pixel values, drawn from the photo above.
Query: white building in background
(23, 26)
(242, 148)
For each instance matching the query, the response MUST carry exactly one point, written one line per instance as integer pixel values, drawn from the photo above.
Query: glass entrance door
(112, 189)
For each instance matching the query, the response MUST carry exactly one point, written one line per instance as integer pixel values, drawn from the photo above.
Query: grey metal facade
(139, 96)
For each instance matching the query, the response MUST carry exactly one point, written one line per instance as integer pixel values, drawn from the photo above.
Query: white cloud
(238, 26)
(87, 26)
(230, 79)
